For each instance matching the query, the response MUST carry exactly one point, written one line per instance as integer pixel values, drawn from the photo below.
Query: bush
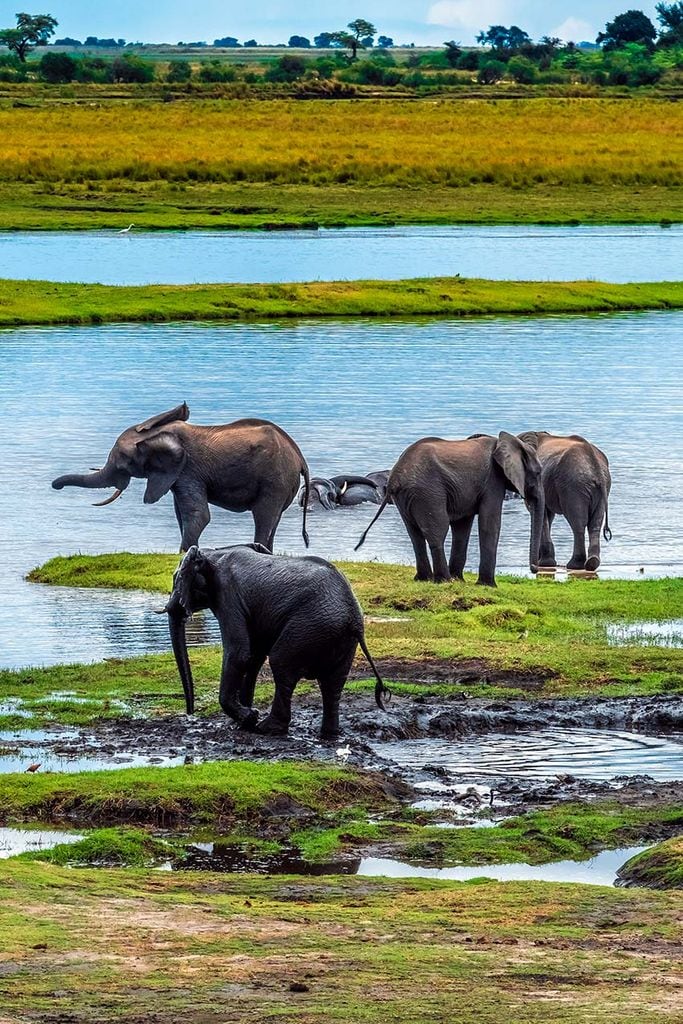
(57, 67)
(94, 69)
(131, 68)
(491, 72)
(522, 70)
(287, 68)
(11, 69)
(179, 71)
(468, 61)
(217, 71)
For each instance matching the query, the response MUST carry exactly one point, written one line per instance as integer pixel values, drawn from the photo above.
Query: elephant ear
(518, 462)
(163, 459)
(181, 412)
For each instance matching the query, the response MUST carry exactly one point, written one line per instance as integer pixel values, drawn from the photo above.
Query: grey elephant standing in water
(438, 484)
(300, 613)
(576, 484)
(345, 490)
(249, 465)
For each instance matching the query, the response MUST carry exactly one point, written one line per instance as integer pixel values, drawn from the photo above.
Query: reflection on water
(647, 634)
(183, 257)
(600, 870)
(354, 395)
(20, 840)
(598, 754)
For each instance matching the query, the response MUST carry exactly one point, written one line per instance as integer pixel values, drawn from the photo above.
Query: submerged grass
(249, 948)
(42, 302)
(547, 638)
(658, 868)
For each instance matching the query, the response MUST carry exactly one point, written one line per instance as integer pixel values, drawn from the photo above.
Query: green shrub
(287, 68)
(491, 72)
(57, 67)
(522, 70)
(131, 68)
(179, 71)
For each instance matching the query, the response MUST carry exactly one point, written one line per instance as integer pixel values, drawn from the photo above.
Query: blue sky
(419, 21)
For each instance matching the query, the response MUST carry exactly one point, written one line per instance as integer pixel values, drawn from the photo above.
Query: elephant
(437, 484)
(300, 613)
(345, 490)
(576, 483)
(249, 465)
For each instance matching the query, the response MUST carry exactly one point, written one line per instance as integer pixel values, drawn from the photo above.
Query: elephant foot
(547, 563)
(486, 582)
(249, 721)
(329, 735)
(576, 563)
(592, 563)
(271, 727)
(418, 578)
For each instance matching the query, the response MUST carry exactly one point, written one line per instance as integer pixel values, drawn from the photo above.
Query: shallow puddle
(20, 840)
(647, 634)
(37, 750)
(231, 858)
(600, 870)
(597, 754)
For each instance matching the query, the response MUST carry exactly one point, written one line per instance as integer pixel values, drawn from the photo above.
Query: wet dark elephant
(246, 466)
(345, 490)
(300, 613)
(438, 484)
(576, 484)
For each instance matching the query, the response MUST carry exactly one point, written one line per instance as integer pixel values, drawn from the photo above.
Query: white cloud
(574, 30)
(468, 14)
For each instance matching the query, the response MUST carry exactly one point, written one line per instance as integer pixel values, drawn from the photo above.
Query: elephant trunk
(537, 510)
(176, 625)
(101, 478)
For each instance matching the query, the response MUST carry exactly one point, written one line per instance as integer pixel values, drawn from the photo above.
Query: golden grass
(516, 143)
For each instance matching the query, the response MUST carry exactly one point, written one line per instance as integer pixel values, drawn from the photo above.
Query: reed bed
(575, 142)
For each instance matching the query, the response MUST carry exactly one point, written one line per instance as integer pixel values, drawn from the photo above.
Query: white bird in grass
(125, 231)
(343, 753)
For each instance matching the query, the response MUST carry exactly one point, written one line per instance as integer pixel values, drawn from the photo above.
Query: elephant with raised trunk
(300, 613)
(438, 484)
(576, 484)
(246, 466)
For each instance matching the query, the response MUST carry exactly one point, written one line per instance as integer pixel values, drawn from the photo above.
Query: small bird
(523, 635)
(125, 231)
(34, 767)
(343, 753)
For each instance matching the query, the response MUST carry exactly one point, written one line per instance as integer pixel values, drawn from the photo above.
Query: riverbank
(43, 302)
(164, 206)
(330, 949)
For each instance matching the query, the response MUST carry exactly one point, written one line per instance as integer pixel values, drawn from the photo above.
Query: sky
(423, 22)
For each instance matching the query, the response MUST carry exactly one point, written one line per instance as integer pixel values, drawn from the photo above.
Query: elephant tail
(606, 532)
(307, 491)
(381, 690)
(375, 518)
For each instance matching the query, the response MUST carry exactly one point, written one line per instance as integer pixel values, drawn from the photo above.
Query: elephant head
(149, 450)
(522, 471)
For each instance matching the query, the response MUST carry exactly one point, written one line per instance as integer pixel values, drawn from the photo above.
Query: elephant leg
(547, 552)
(488, 526)
(192, 513)
(594, 530)
(460, 538)
(276, 722)
(331, 684)
(577, 519)
(266, 521)
(423, 569)
(248, 685)
(233, 676)
(433, 524)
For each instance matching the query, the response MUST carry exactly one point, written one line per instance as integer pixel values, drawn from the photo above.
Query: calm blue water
(353, 394)
(178, 257)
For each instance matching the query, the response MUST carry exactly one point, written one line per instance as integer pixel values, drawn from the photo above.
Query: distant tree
(67, 41)
(110, 43)
(630, 27)
(199, 43)
(179, 71)
(491, 72)
(250, 42)
(670, 17)
(384, 42)
(361, 31)
(57, 67)
(522, 70)
(453, 52)
(300, 41)
(131, 68)
(502, 39)
(468, 60)
(287, 68)
(323, 40)
(227, 41)
(31, 30)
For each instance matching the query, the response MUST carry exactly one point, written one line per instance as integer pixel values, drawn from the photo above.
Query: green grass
(110, 847)
(549, 638)
(40, 302)
(214, 793)
(658, 868)
(73, 206)
(206, 948)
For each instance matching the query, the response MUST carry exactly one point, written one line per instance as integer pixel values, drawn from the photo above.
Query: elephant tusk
(117, 494)
(343, 490)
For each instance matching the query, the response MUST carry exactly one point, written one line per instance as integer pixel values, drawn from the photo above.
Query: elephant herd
(301, 613)
(438, 486)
